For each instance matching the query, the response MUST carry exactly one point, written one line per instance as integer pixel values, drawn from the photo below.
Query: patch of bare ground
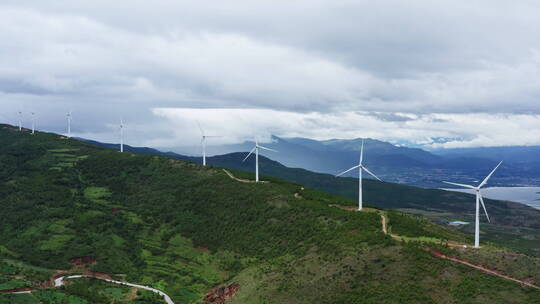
(241, 179)
(222, 294)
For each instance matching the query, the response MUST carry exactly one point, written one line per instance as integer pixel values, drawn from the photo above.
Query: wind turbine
(33, 123)
(69, 117)
(361, 168)
(20, 121)
(121, 135)
(256, 150)
(203, 142)
(479, 200)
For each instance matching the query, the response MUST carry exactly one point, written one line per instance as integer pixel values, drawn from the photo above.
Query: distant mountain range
(399, 164)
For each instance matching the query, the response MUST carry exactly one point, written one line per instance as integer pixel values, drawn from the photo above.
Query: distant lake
(525, 195)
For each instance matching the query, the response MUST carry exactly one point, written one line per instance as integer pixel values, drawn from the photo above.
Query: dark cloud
(392, 116)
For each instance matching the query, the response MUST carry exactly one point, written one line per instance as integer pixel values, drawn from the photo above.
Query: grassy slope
(185, 229)
(514, 225)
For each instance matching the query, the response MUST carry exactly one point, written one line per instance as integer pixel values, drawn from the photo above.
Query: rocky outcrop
(221, 294)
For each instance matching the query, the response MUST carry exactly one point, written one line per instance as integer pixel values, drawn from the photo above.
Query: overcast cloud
(399, 71)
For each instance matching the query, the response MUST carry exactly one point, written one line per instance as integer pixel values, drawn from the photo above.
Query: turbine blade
(460, 185)
(489, 176)
(200, 128)
(213, 136)
(265, 148)
(367, 170)
(251, 152)
(348, 170)
(362, 152)
(483, 205)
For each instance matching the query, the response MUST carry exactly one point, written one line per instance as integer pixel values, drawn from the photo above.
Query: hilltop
(73, 207)
(512, 224)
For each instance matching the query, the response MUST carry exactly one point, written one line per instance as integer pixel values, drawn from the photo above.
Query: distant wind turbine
(256, 150)
(203, 142)
(361, 168)
(69, 117)
(121, 135)
(33, 122)
(20, 121)
(479, 200)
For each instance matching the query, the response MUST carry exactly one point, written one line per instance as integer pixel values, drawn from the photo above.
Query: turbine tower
(360, 168)
(20, 121)
(33, 123)
(479, 200)
(256, 150)
(203, 142)
(69, 117)
(121, 135)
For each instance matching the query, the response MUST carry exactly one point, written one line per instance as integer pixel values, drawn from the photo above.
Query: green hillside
(512, 224)
(185, 229)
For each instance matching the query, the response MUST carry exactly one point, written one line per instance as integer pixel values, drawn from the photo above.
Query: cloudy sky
(403, 71)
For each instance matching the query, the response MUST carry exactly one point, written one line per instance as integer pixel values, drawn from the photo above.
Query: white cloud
(388, 69)
(244, 124)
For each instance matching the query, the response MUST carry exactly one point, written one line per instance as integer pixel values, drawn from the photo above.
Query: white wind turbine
(360, 168)
(256, 150)
(203, 142)
(33, 122)
(20, 121)
(121, 135)
(69, 117)
(479, 200)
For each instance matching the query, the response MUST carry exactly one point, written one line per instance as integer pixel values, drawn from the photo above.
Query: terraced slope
(186, 230)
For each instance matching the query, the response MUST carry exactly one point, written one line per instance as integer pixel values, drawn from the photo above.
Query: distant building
(458, 223)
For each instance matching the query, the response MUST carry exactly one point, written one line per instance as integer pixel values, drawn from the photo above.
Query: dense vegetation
(515, 225)
(185, 229)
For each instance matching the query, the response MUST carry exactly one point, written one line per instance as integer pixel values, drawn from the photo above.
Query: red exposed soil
(83, 261)
(348, 208)
(221, 294)
(526, 282)
(98, 275)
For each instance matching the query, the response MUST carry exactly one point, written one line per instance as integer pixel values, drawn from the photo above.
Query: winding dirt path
(481, 268)
(241, 179)
(60, 281)
(437, 253)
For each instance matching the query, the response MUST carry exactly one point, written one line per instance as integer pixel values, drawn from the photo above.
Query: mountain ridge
(438, 205)
(187, 229)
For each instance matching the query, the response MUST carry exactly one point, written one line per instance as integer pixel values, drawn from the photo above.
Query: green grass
(97, 194)
(60, 151)
(187, 229)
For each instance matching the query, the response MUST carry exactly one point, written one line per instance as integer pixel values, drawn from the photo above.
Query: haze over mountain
(400, 164)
